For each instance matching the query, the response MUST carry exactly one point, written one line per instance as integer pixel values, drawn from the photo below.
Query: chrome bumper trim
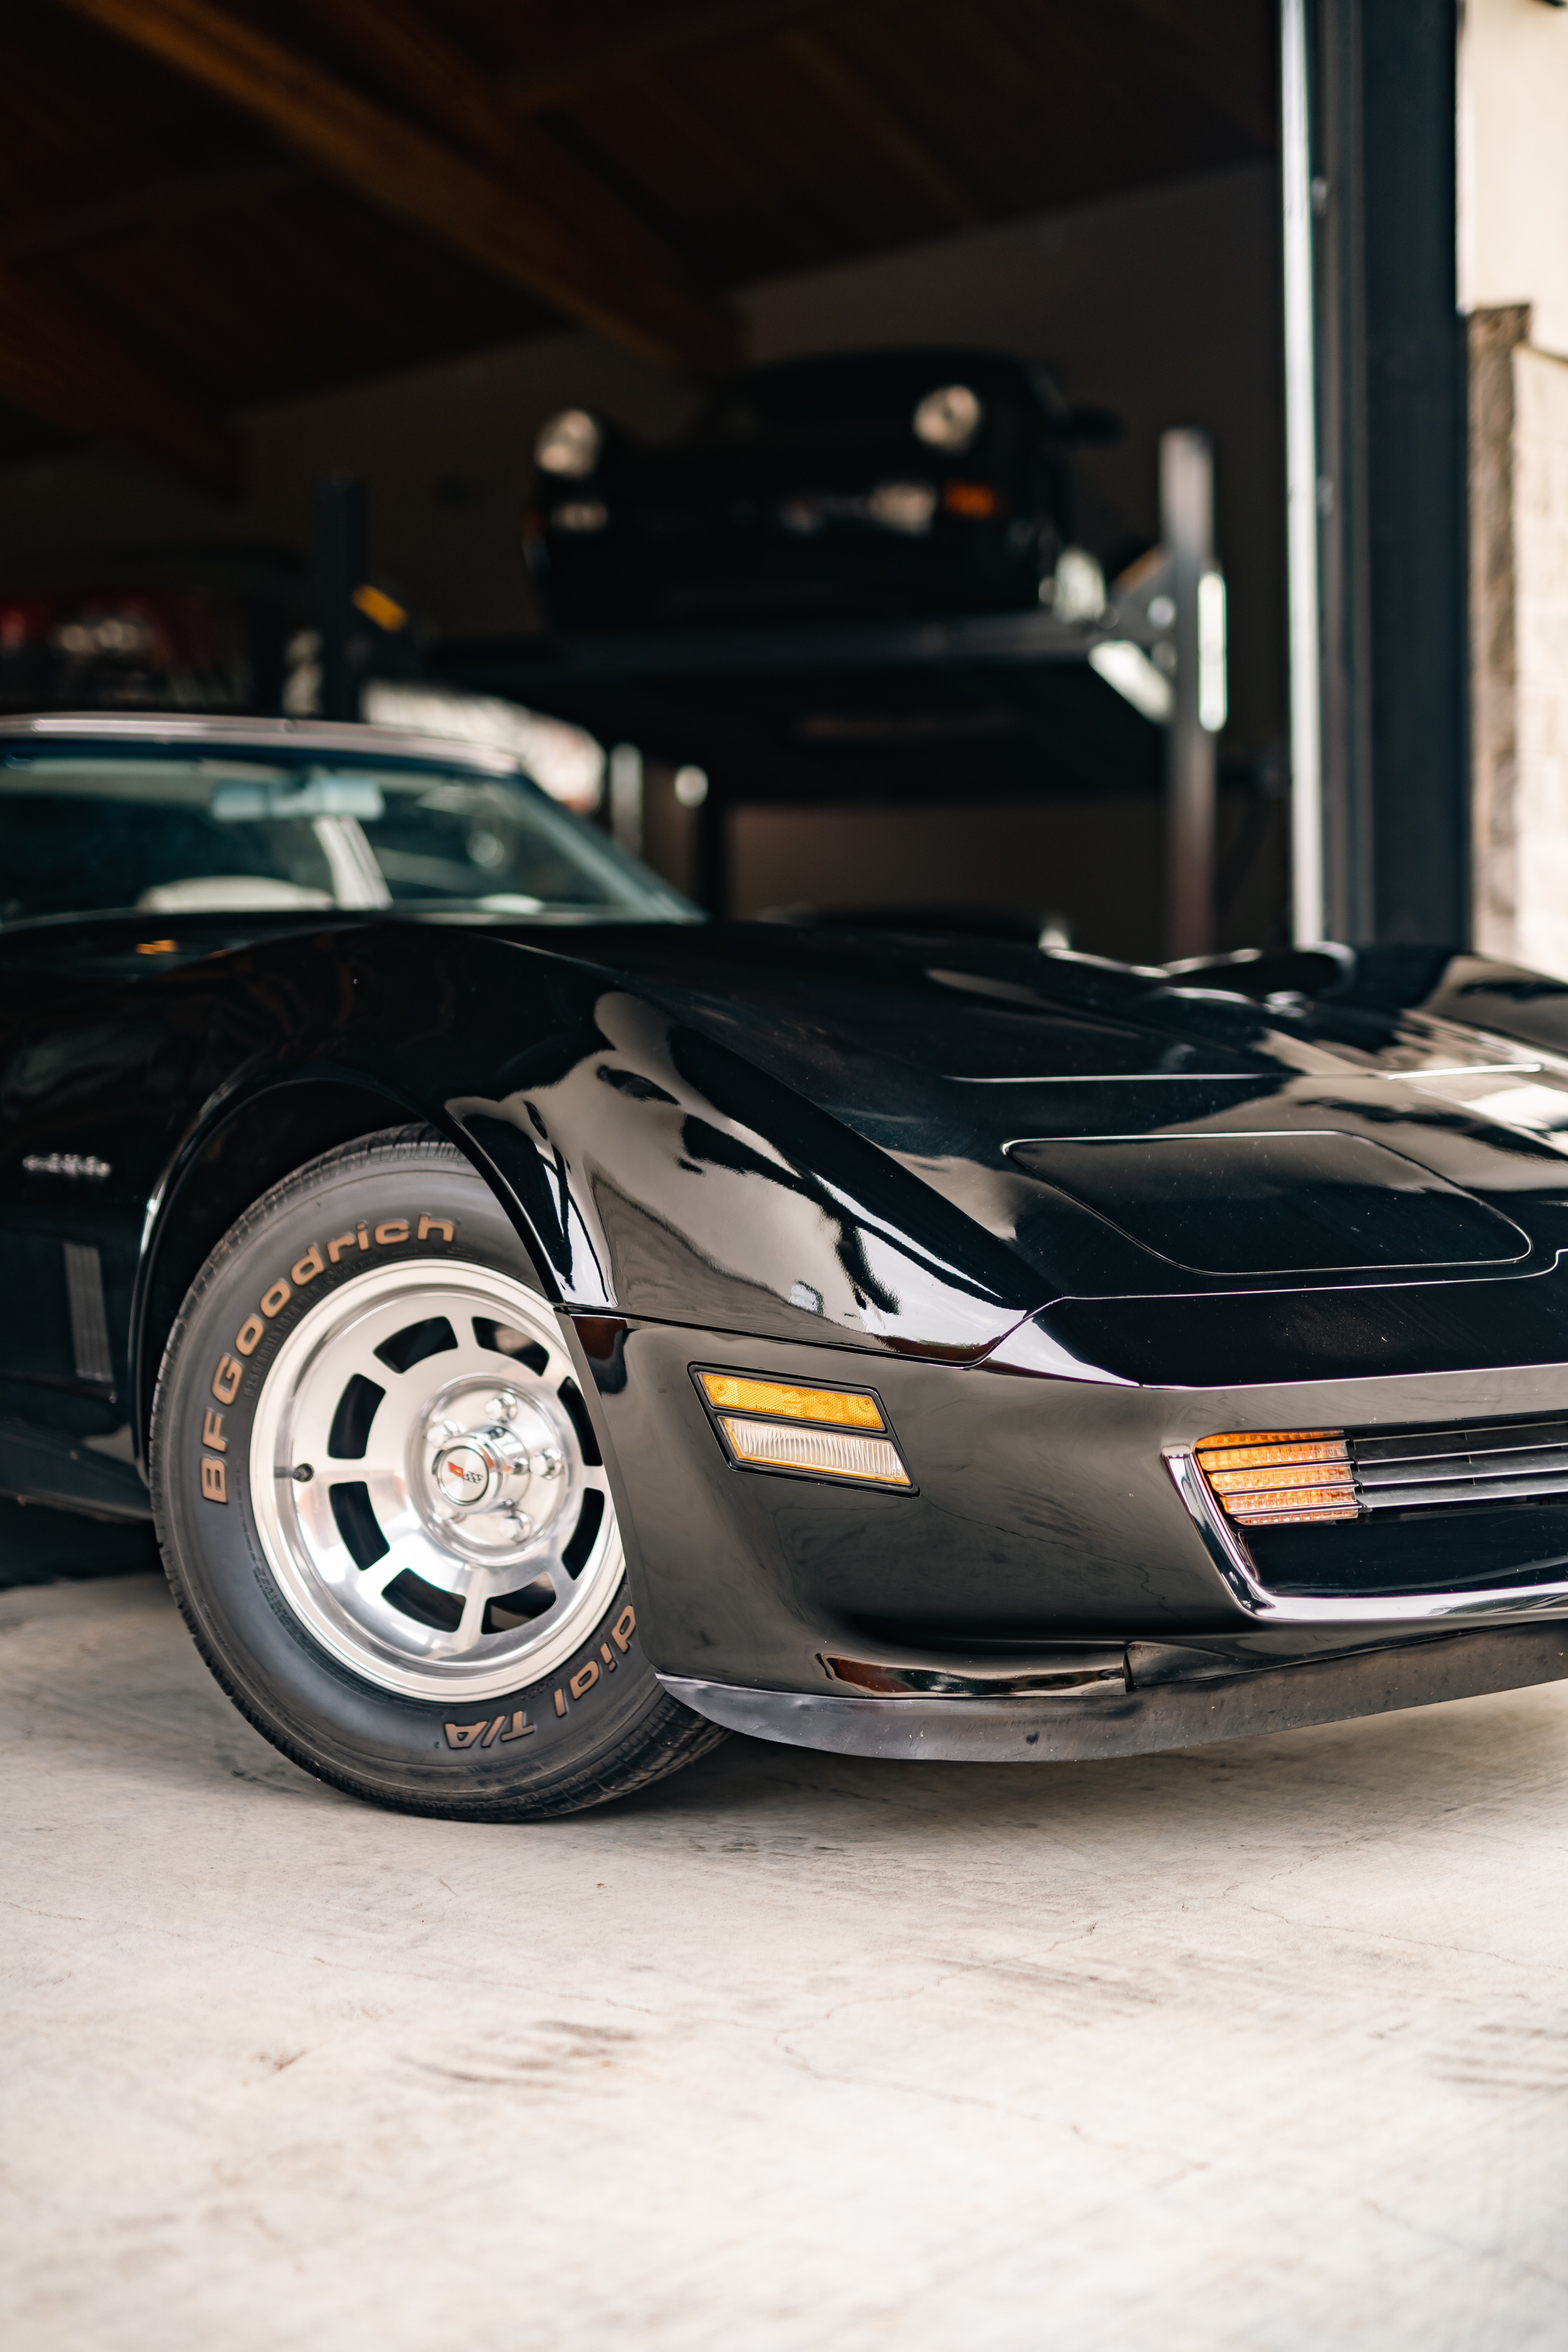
(1043, 1729)
(1070, 1673)
(1234, 1566)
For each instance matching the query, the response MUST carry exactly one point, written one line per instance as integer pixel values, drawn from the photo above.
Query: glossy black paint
(788, 1153)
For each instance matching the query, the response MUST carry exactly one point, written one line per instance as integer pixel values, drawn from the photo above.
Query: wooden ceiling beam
(863, 108)
(499, 224)
(1091, 104)
(167, 197)
(408, 53)
(1206, 61)
(576, 71)
(413, 60)
(58, 363)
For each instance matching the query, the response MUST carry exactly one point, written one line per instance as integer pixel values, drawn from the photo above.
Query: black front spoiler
(1116, 1716)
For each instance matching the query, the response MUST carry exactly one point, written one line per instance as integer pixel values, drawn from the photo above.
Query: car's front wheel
(382, 1505)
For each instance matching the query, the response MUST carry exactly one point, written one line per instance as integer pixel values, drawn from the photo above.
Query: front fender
(669, 1178)
(648, 1170)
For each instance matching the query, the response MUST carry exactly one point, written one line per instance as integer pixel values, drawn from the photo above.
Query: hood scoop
(1308, 1201)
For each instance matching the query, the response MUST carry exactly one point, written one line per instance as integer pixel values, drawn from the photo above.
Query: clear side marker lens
(830, 1452)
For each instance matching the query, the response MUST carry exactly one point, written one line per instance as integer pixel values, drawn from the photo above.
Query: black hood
(1121, 1131)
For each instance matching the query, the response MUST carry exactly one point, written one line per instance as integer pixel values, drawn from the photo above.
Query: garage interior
(235, 264)
(1258, 2044)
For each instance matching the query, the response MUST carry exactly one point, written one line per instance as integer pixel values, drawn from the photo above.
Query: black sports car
(547, 1328)
(861, 483)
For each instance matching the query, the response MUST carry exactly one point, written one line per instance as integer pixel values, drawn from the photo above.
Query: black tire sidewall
(552, 1740)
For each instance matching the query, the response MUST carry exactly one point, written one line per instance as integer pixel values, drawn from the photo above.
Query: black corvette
(859, 483)
(547, 1328)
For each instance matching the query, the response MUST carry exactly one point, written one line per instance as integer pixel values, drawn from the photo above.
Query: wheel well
(265, 1140)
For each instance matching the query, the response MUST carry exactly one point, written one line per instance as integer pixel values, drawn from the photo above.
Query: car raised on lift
(549, 1329)
(847, 486)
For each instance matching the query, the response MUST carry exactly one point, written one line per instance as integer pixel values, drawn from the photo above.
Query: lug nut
(503, 1407)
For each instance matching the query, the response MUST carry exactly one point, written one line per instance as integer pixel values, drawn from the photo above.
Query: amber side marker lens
(841, 1408)
(156, 947)
(1272, 1477)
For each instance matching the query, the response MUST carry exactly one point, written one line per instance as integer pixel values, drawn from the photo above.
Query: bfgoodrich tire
(383, 1508)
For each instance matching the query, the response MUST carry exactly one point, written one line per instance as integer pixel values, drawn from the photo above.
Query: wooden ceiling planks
(557, 72)
(495, 218)
(946, 74)
(230, 237)
(235, 296)
(61, 364)
(711, 181)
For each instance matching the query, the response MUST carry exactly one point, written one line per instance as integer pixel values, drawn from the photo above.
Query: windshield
(100, 831)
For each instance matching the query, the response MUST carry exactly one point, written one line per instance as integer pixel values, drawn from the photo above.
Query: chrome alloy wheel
(421, 1488)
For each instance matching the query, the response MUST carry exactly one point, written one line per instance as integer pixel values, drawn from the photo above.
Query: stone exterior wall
(1494, 773)
(1519, 575)
(1540, 627)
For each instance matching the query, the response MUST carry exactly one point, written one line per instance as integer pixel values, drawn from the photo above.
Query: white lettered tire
(383, 1508)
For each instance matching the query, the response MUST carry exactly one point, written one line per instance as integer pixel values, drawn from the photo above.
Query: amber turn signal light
(841, 1408)
(1272, 1477)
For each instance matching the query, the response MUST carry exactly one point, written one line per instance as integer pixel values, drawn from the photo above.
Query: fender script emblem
(67, 1163)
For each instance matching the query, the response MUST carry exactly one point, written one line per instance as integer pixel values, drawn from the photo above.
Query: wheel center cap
(463, 1474)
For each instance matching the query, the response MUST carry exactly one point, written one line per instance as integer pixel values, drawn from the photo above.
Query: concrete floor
(1249, 2047)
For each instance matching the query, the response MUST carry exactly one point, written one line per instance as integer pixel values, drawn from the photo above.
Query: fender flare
(301, 1112)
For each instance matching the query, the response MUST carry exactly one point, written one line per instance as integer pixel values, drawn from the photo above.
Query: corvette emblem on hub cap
(463, 1475)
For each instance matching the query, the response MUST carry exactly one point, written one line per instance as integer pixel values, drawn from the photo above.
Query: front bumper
(1052, 1586)
(1103, 1713)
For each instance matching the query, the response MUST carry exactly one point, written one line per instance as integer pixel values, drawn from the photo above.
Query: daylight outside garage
(784, 1058)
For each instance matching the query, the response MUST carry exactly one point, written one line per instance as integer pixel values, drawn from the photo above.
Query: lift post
(338, 539)
(1197, 712)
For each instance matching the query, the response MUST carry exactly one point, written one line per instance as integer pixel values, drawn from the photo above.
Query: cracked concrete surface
(1241, 2048)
